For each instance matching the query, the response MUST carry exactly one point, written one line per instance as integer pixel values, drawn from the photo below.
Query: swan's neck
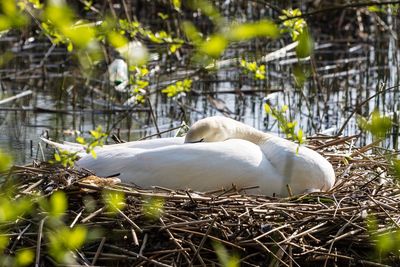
(250, 134)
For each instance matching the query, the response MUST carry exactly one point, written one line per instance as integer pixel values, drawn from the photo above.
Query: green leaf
(191, 32)
(80, 140)
(305, 46)
(396, 168)
(267, 108)
(117, 40)
(3, 242)
(246, 31)
(24, 257)
(177, 4)
(9, 8)
(224, 258)
(153, 208)
(57, 157)
(70, 47)
(163, 16)
(58, 204)
(114, 201)
(93, 153)
(300, 135)
(214, 46)
(77, 237)
(5, 161)
(80, 35)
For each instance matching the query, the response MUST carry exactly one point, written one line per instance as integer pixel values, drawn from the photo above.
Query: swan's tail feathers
(67, 146)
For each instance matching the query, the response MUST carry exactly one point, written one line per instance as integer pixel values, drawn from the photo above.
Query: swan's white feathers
(299, 167)
(230, 153)
(168, 166)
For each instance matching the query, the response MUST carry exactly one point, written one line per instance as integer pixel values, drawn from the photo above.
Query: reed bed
(316, 229)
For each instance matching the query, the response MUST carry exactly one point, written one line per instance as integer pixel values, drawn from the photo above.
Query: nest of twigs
(320, 229)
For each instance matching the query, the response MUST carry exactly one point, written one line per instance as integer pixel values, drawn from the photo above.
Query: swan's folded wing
(201, 166)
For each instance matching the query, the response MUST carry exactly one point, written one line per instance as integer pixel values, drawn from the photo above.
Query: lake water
(347, 71)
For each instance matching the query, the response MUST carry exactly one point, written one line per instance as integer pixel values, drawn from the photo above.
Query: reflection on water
(63, 101)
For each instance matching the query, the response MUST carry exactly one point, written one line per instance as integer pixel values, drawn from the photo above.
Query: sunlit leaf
(116, 39)
(214, 46)
(70, 47)
(58, 203)
(177, 4)
(5, 161)
(24, 257)
(267, 108)
(59, 15)
(9, 8)
(385, 243)
(80, 36)
(80, 140)
(153, 208)
(378, 125)
(163, 16)
(191, 32)
(93, 153)
(3, 242)
(375, 8)
(77, 237)
(245, 31)
(301, 73)
(396, 167)
(114, 201)
(224, 257)
(5, 23)
(305, 46)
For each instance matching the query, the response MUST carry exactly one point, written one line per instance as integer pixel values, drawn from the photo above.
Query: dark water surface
(63, 100)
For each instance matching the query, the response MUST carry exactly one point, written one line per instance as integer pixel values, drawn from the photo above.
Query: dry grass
(320, 229)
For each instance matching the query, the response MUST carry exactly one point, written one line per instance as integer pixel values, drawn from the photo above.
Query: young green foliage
(5, 161)
(11, 211)
(97, 138)
(286, 126)
(396, 167)
(213, 46)
(65, 158)
(378, 125)
(224, 258)
(305, 46)
(64, 240)
(177, 88)
(386, 242)
(11, 15)
(114, 201)
(394, 9)
(139, 83)
(153, 208)
(250, 30)
(293, 23)
(252, 67)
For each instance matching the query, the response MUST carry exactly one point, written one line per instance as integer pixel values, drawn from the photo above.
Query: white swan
(217, 152)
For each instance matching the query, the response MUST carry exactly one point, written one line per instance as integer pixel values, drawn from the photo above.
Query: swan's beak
(201, 140)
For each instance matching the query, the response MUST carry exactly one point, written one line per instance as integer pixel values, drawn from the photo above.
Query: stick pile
(183, 228)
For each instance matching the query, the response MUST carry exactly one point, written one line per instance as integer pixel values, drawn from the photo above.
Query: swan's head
(218, 128)
(212, 129)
